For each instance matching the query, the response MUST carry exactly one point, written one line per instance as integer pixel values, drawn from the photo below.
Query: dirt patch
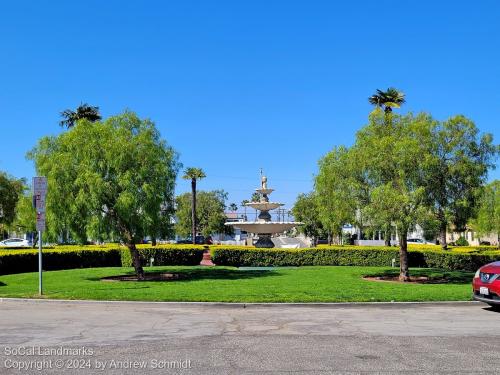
(413, 279)
(147, 277)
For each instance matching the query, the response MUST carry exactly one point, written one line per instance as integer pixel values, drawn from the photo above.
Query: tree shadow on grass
(209, 273)
(434, 275)
(2, 284)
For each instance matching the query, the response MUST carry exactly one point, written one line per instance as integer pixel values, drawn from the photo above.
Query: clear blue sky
(234, 86)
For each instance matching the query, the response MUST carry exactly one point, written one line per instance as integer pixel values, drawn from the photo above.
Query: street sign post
(39, 194)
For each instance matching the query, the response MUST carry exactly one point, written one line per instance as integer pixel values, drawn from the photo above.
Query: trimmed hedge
(165, 256)
(19, 261)
(338, 256)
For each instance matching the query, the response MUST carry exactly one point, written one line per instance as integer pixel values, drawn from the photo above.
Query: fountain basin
(269, 227)
(264, 191)
(264, 206)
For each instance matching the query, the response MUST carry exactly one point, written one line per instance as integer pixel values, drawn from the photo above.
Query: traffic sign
(40, 221)
(40, 186)
(39, 203)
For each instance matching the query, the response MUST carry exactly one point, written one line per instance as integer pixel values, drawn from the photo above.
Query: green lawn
(226, 284)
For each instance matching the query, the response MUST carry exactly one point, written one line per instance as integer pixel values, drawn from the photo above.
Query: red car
(486, 285)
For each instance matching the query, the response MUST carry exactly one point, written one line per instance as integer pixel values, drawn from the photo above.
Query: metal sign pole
(39, 194)
(40, 287)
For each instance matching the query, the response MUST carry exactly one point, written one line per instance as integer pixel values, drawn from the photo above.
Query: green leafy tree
(306, 210)
(337, 191)
(488, 216)
(210, 213)
(429, 225)
(83, 111)
(118, 171)
(193, 174)
(10, 190)
(25, 217)
(456, 167)
(397, 146)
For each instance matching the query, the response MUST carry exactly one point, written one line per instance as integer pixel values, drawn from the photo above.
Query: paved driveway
(173, 338)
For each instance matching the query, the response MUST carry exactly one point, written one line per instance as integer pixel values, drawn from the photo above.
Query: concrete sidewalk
(237, 339)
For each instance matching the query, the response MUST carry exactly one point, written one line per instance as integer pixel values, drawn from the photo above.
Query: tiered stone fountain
(264, 227)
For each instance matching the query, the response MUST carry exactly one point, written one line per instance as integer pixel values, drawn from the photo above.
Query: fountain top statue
(264, 191)
(264, 227)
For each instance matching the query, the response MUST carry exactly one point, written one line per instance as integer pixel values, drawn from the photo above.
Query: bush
(165, 256)
(18, 261)
(340, 256)
(67, 257)
(462, 242)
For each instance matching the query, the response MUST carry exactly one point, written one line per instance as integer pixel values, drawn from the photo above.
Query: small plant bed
(430, 277)
(152, 276)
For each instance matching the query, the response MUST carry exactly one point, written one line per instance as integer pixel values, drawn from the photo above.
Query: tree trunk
(153, 241)
(136, 261)
(442, 230)
(388, 235)
(193, 210)
(404, 273)
(329, 239)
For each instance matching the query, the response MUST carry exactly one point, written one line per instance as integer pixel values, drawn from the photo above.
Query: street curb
(246, 305)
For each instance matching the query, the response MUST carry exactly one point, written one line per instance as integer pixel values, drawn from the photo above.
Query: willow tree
(306, 210)
(487, 222)
(336, 191)
(10, 191)
(119, 172)
(398, 146)
(457, 161)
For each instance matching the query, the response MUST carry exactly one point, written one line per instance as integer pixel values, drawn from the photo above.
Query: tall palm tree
(83, 111)
(387, 100)
(243, 204)
(193, 174)
(233, 207)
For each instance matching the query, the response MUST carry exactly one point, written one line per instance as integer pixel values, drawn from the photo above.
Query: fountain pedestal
(264, 241)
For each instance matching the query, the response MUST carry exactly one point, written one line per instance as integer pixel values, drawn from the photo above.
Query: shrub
(165, 256)
(18, 261)
(462, 242)
(340, 256)
(67, 257)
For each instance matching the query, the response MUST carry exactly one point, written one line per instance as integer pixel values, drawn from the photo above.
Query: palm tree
(392, 98)
(84, 111)
(193, 174)
(233, 207)
(243, 204)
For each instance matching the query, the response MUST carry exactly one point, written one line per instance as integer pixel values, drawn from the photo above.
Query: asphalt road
(163, 338)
